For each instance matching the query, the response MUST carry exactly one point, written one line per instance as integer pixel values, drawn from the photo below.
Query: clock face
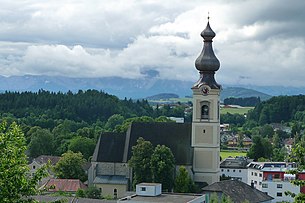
(205, 90)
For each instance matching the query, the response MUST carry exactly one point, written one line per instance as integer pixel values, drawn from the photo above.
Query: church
(194, 145)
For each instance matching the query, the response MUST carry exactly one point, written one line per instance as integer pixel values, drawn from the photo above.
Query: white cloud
(254, 42)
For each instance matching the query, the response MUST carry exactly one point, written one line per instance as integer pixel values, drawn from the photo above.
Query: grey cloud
(256, 40)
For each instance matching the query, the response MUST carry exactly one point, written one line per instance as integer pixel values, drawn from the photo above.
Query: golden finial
(208, 16)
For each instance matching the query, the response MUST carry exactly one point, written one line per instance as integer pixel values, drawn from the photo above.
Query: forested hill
(278, 109)
(88, 106)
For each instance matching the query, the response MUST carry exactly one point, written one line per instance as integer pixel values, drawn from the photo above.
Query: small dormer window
(205, 112)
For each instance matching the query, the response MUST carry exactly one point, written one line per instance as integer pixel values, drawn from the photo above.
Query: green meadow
(226, 154)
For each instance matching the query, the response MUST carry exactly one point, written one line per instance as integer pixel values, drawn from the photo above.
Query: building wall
(276, 189)
(206, 136)
(108, 168)
(236, 173)
(255, 176)
(108, 189)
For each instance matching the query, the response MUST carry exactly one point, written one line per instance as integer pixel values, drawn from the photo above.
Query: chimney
(252, 184)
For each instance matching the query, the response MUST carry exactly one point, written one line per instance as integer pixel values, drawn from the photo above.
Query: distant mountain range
(133, 88)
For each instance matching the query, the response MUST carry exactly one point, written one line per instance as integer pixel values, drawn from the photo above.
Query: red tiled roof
(65, 185)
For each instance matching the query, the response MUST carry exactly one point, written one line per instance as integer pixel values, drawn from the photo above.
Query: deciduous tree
(183, 181)
(42, 142)
(15, 184)
(140, 161)
(163, 166)
(82, 144)
(70, 166)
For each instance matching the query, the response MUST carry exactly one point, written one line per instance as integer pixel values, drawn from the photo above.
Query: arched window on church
(205, 112)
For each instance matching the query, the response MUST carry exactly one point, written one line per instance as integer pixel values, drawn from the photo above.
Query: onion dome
(207, 63)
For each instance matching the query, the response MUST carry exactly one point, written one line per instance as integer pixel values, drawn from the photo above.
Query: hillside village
(128, 151)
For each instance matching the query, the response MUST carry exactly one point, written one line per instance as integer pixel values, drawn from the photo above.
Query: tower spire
(207, 63)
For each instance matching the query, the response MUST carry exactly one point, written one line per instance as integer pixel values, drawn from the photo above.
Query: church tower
(205, 125)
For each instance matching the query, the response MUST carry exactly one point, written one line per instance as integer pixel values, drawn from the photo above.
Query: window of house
(34, 166)
(264, 185)
(276, 175)
(239, 171)
(260, 183)
(233, 170)
(279, 185)
(255, 174)
(279, 194)
(221, 170)
(228, 170)
(260, 175)
(255, 182)
(252, 173)
(143, 188)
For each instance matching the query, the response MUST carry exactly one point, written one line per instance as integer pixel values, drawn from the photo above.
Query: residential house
(238, 191)
(41, 161)
(276, 181)
(247, 142)
(64, 185)
(288, 143)
(235, 168)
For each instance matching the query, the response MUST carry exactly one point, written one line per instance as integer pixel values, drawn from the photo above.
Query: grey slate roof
(44, 159)
(111, 179)
(116, 147)
(238, 191)
(176, 136)
(237, 163)
(109, 148)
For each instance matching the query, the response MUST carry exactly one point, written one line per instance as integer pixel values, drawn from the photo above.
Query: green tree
(226, 199)
(214, 197)
(93, 192)
(70, 166)
(113, 121)
(279, 154)
(163, 166)
(80, 193)
(297, 155)
(266, 131)
(41, 143)
(82, 144)
(15, 185)
(183, 181)
(140, 161)
(261, 147)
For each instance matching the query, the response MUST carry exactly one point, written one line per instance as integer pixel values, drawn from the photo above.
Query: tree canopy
(140, 161)
(152, 164)
(163, 166)
(15, 184)
(70, 166)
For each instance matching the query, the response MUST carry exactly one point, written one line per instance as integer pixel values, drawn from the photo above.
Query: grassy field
(235, 110)
(226, 154)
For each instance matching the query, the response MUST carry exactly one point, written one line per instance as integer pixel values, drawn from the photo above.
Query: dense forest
(279, 109)
(56, 122)
(248, 101)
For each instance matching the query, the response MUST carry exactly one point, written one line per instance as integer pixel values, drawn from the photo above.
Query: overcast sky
(259, 42)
